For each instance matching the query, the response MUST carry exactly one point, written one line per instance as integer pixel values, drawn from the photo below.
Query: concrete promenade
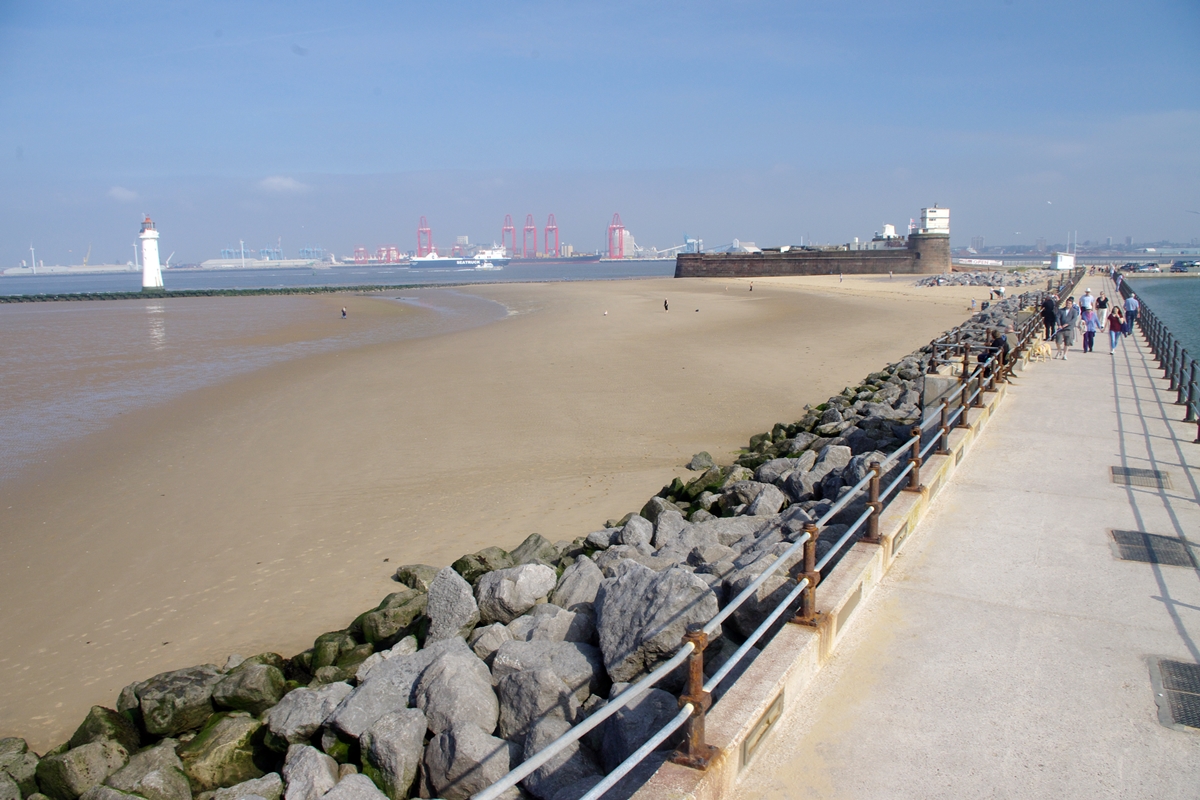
(1008, 652)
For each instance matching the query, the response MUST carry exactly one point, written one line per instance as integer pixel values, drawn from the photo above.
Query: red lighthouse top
(147, 225)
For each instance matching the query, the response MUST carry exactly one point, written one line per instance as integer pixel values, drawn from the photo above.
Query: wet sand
(253, 515)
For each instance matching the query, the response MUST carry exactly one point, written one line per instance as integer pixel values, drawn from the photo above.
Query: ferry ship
(485, 258)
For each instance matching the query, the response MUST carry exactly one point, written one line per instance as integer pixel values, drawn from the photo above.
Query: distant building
(925, 250)
(977, 244)
(1040, 245)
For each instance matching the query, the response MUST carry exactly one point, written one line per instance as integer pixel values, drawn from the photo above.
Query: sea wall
(924, 254)
(467, 670)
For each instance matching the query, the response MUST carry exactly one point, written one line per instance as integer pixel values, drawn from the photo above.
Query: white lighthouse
(151, 274)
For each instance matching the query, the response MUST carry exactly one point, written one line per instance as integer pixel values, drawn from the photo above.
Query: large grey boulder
(392, 749)
(656, 506)
(767, 502)
(642, 616)
(155, 774)
(667, 527)
(506, 594)
(387, 688)
(250, 687)
(571, 765)
(67, 775)
(530, 695)
(632, 726)
(308, 773)
(637, 531)
(751, 613)
(451, 610)
(456, 686)
(268, 787)
(301, 711)
(405, 647)
(551, 623)
(579, 665)
(355, 787)
(19, 764)
(485, 641)
(223, 752)
(465, 759)
(178, 701)
(578, 585)
(729, 529)
(104, 723)
(701, 460)
(8, 788)
(536, 548)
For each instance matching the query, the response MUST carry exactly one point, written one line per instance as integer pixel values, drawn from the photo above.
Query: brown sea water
(69, 369)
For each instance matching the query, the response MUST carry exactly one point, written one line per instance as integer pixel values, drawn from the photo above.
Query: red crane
(551, 226)
(616, 247)
(360, 255)
(424, 238)
(529, 232)
(509, 234)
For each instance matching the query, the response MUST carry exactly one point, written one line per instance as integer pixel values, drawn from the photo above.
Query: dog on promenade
(1040, 352)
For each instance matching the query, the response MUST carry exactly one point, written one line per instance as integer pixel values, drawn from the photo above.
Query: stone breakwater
(468, 670)
(1030, 277)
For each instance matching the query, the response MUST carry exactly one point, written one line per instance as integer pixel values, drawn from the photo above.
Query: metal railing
(976, 377)
(1179, 368)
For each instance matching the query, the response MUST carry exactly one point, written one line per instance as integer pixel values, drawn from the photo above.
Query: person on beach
(1116, 326)
(1050, 315)
(1131, 312)
(1064, 335)
(1090, 322)
(665, 306)
(343, 312)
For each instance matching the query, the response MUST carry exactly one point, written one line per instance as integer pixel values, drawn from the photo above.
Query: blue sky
(341, 124)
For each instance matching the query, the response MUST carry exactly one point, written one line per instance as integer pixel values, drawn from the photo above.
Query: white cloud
(280, 184)
(122, 195)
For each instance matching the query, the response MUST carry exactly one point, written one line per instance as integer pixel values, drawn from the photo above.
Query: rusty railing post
(808, 598)
(1190, 410)
(914, 477)
(962, 403)
(1181, 371)
(874, 504)
(694, 752)
(944, 435)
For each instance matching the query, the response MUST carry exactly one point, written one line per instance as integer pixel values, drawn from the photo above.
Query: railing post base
(695, 752)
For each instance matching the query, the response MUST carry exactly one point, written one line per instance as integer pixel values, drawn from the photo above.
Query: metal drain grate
(1177, 692)
(1151, 548)
(1132, 476)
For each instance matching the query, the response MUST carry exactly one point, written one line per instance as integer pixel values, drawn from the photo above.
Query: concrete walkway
(1007, 654)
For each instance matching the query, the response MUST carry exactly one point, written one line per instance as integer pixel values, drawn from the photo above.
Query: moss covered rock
(475, 565)
(67, 775)
(104, 723)
(225, 752)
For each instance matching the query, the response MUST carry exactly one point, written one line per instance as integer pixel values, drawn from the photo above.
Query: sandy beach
(257, 513)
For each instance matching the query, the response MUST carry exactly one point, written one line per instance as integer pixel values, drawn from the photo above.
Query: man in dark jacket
(1050, 314)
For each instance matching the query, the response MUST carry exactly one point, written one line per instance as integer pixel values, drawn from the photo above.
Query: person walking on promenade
(1064, 336)
(1102, 306)
(1050, 315)
(1087, 302)
(1116, 326)
(1131, 312)
(1090, 322)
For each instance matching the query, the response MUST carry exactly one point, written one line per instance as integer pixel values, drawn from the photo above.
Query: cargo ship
(581, 258)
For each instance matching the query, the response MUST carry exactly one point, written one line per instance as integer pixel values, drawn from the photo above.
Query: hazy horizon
(765, 122)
